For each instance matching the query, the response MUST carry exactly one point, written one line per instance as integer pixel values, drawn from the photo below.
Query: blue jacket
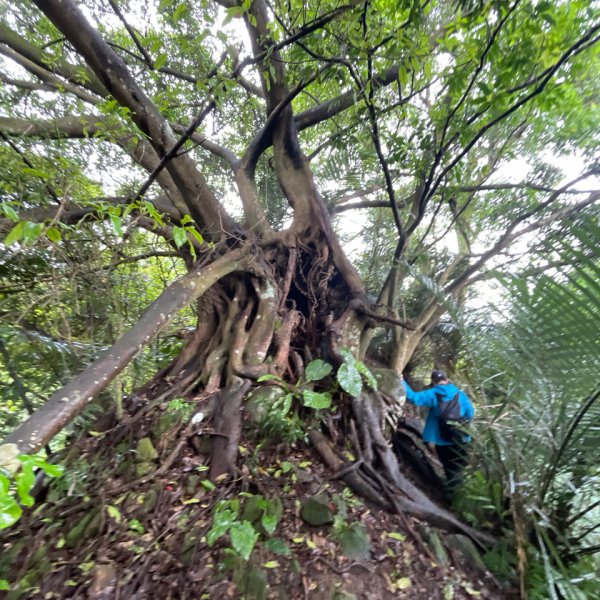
(428, 398)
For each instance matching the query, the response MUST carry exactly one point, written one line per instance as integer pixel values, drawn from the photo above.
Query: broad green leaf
(349, 379)
(31, 231)
(193, 231)
(52, 470)
(117, 224)
(243, 538)
(317, 369)
(25, 481)
(366, 373)
(223, 518)
(4, 485)
(278, 546)
(10, 212)
(317, 400)
(179, 236)
(4, 585)
(15, 234)
(269, 522)
(10, 512)
(271, 564)
(54, 234)
(136, 526)
(287, 404)
(160, 61)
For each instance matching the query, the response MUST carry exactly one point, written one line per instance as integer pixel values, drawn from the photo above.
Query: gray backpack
(449, 420)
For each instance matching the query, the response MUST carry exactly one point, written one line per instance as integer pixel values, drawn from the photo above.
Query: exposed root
(228, 422)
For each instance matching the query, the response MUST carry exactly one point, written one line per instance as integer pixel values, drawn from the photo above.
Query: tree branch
(69, 401)
(109, 67)
(74, 73)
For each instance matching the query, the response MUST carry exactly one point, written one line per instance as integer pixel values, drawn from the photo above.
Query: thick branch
(49, 78)
(510, 236)
(68, 402)
(113, 72)
(74, 73)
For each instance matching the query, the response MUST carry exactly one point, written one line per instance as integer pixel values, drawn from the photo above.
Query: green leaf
(349, 379)
(4, 585)
(222, 521)
(193, 232)
(366, 373)
(10, 212)
(25, 481)
(32, 231)
(235, 11)
(268, 377)
(271, 564)
(316, 400)
(278, 546)
(114, 512)
(160, 61)
(396, 536)
(317, 369)
(403, 583)
(36, 173)
(15, 234)
(179, 236)
(243, 538)
(54, 234)
(51, 470)
(136, 526)
(10, 512)
(180, 12)
(4, 485)
(117, 224)
(269, 522)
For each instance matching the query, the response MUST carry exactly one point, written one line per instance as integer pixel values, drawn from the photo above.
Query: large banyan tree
(428, 104)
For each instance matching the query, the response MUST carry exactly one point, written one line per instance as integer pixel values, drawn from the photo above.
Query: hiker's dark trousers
(453, 458)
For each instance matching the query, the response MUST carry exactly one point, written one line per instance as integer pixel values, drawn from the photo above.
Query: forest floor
(120, 525)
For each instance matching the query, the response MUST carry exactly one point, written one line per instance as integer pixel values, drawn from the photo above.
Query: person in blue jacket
(452, 455)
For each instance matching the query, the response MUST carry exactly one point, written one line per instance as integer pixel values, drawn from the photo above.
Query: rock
(104, 578)
(146, 451)
(355, 541)
(464, 552)
(261, 401)
(8, 458)
(390, 383)
(316, 511)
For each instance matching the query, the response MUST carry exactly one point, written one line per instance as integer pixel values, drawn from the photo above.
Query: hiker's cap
(437, 376)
